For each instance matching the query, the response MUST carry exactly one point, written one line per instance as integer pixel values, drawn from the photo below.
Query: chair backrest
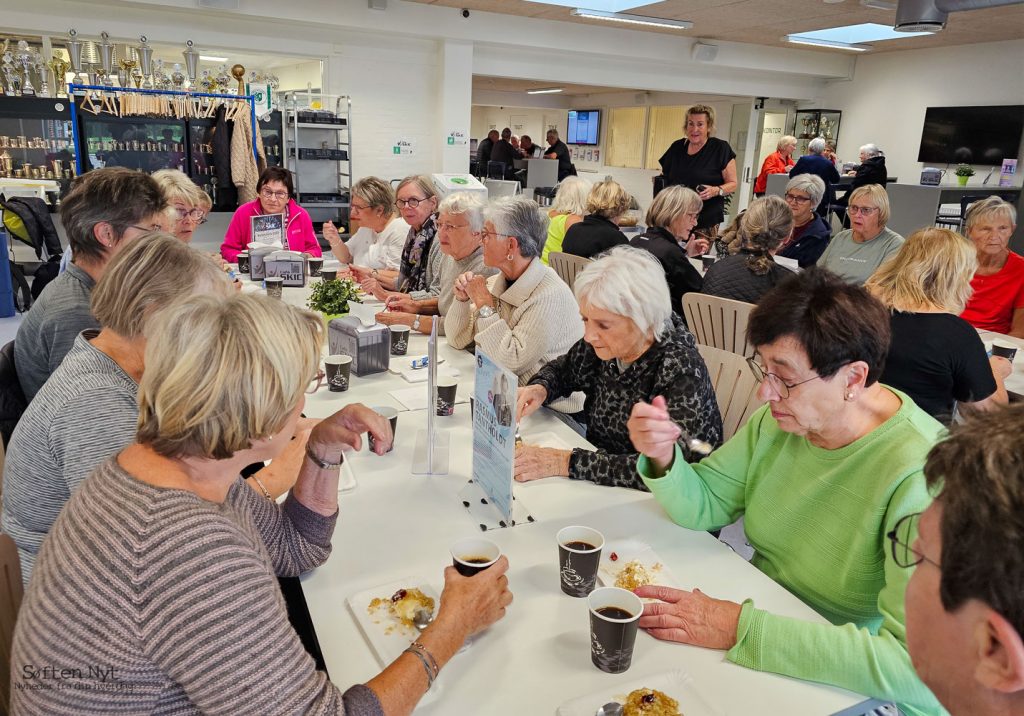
(12, 398)
(718, 322)
(496, 170)
(11, 592)
(567, 266)
(735, 387)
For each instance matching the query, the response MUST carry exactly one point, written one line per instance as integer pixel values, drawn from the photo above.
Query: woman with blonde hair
(936, 357)
(599, 230)
(568, 208)
(855, 254)
(188, 205)
(162, 565)
(375, 249)
(670, 219)
(749, 271)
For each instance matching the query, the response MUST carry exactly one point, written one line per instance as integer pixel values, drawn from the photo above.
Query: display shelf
(811, 123)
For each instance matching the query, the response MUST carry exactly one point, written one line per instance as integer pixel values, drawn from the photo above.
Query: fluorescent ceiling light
(797, 40)
(606, 5)
(632, 19)
(854, 34)
(211, 58)
(545, 90)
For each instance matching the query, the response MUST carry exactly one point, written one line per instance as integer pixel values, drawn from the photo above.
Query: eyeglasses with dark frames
(776, 383)
(798, 199)
(901, 538)
(269, 195)
(411, 203)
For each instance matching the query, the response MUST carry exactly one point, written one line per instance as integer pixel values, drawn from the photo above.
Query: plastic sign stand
(488, 494)
(430, 455)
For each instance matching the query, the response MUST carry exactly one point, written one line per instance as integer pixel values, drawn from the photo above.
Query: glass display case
(811, 123)
(36, 140)
(133, 142)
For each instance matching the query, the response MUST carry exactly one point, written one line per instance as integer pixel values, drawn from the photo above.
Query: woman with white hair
(871, 170)
(997, 301)
(460, 225)
(568, 208)
(778, 162)
(855, 253)
(525, 316)
(162, 565)
(814, 162)
(811, 233)
(633, 348)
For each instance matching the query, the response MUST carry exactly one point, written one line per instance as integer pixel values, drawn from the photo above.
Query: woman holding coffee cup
(375, 250)
(997, 303)
(821, 475)
(197, 552)
(936, 357)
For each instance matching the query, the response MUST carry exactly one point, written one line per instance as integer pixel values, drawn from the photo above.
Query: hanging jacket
(220, 138)
(35, 216)
(245, 171)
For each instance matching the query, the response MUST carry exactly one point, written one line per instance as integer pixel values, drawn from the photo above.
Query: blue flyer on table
(494, 448)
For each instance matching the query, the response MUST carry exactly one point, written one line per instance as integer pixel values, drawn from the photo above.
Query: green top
(818, 520)
(556, 235)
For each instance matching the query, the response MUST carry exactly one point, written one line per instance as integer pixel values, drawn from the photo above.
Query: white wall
(300, 75)
(885, 102)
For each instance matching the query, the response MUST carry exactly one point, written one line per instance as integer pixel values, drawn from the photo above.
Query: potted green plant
(331, 298)
(963, 173)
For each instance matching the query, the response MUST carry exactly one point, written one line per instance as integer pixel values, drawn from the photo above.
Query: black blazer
(591, 236)
(682, 277)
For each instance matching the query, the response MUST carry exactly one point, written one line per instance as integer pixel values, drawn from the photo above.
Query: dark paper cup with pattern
(274, 286)
(316, 265)
(579, 554)
(614, 618)
(1002, 349)
(392, 416)
(446, 387)
(243, 262)
(471, 556)
(399, 340)
(338, 370)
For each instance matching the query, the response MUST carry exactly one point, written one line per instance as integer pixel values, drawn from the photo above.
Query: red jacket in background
(773, 164)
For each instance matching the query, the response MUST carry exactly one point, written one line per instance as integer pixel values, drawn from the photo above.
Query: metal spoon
(612, 708)
(421, 618)
(695, 445)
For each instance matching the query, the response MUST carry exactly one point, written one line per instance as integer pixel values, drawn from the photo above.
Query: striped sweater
(149, 600)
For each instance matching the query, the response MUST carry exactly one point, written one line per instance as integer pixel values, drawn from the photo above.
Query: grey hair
(871, 150)
(810, 183)
(628, 282)
(467, 203)
(520, 217)
(816, 145)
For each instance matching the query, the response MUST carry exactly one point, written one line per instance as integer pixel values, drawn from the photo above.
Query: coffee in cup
(614, 618)
(470, 556)
(579, 554)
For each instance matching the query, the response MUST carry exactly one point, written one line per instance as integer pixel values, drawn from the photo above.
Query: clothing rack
(110, 93)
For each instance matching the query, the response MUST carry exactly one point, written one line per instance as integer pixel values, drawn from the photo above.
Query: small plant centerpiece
(331, 298)
(963, 173)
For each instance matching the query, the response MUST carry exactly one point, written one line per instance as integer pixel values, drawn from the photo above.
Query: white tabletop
(396, 525)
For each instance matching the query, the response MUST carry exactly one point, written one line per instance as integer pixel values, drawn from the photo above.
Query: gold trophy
(238, 72)
(59, 66)
(128, 64)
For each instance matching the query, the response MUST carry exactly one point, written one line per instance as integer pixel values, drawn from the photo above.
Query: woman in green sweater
(821, 474)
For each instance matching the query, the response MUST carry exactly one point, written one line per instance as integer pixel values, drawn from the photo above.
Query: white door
(742, 139)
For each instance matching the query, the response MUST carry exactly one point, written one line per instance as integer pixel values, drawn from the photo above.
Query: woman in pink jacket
(275, 195)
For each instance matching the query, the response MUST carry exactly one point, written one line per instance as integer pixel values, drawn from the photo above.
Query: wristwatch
(416, 323)
(485, 312)
(720, 192)
(374, 273)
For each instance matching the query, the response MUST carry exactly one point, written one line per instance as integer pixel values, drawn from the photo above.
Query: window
(624, 137)
(666, 127)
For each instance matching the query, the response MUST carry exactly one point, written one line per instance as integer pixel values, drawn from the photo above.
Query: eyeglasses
(451, 227)
(411, 203)
(775, 382)
(903, 554)
(862, 210)
(798, 199)
(197, 215)
(356, 207)
(146, 229)
(314, 384)
(271, 195)
(488, 235)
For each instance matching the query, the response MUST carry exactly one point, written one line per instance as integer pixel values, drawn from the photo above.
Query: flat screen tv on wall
(584, 126)
(971, 135)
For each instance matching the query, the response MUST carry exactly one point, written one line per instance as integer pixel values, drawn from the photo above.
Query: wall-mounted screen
(584, 126)
(971, 135)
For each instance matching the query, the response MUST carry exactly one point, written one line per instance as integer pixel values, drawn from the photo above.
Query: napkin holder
(289, 265)
(369, 345)
(257, 261)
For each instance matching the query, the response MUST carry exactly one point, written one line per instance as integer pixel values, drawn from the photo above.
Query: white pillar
(455, 100)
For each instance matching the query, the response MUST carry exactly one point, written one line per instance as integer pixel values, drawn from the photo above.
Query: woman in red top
(778, 162)
(997, 303)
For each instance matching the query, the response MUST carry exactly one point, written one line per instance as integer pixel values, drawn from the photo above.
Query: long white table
(1015, 383)
(396, 525)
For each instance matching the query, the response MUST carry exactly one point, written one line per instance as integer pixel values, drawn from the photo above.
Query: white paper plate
(626, 551)
(677, 684)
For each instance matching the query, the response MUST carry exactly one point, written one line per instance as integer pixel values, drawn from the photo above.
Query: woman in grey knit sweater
(161, 568)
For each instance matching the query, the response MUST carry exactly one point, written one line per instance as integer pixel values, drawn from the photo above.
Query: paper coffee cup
(579, 554)
(446, 388)
(274, 286)
(339, 370)
(614, 617)
(392, 415)
(399, 340)
(470, 556)
(1004, 349)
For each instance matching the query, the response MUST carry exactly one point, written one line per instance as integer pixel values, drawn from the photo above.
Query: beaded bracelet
(426, 666)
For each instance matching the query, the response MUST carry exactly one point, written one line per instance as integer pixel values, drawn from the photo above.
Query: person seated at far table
(503, 151)
(778, 162)
(633, 348)
(525, 316)
(376, 247)
(821, 474)
(856, 253)
(527, 149)
(811, 233)
(997, 301)
(275, 194)
(936, 357)
(670, 221)
(178, 558)
(105, 211)
(965, 599)
(599, 230)
(557, 150)
(460, 224)
(750, 272)
(568, 208)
